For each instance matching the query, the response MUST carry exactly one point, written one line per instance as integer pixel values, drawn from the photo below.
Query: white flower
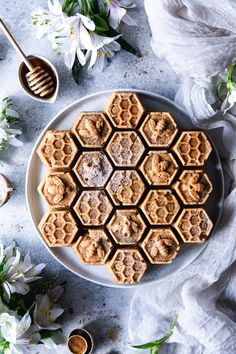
(46, 310)
(7, 117)
(102, 49)
(77, 39)
(18, 332)
(49, 21)
(17, 274)
(117, 13)
(229, 101)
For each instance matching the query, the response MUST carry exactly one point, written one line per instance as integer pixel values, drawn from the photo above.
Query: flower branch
(86, 31)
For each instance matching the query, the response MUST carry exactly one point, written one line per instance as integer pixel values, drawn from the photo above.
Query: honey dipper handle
(15, 45)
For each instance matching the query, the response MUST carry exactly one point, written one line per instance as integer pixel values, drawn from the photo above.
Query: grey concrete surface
(103, 311)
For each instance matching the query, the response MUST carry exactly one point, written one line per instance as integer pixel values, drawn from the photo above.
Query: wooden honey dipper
(39, 80)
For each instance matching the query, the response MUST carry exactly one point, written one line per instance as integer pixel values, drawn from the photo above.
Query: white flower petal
(55, 8)
(55, 293)
(15, 142)
(128, 20)
(116, 14)
(226, 106)
(93, 58)
(24, 323)
(19, 288)
(85, 40)
(55, 313)
(87, 22)
(12, 113)
(35, 270)
(81, 57)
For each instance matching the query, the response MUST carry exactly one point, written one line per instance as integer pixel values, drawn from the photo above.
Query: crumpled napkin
(198, 39)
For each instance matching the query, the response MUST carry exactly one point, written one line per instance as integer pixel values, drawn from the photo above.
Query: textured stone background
(103, 311)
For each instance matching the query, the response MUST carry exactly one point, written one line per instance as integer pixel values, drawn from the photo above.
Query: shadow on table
(104, 332)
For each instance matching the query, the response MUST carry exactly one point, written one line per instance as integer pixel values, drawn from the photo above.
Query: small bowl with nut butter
(80, 342)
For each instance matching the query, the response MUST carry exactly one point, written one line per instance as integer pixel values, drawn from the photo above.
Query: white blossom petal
(128, 20)
(87, 22)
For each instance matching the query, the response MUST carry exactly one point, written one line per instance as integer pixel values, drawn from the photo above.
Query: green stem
(103, 6)
(64, 5)
(81, 8)
(89, 6)
(71, 8)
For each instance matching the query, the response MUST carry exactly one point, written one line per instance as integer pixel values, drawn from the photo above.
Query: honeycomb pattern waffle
(125, 187)
(93, 169)
(161, 246)
(126, 226)
(159, 129)
(193, 187)
(92, 129)
(160, 207)
(194, 225)
(159, 168)
(121, 188)
(193, 148)
(58, 228)
(127, 266)
(125, 149)
(94, 247)
(93, 208)
(58, 189)
(57, 149)
(124, 110)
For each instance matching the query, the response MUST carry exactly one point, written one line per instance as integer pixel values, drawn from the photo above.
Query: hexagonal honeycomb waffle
(127, 266)
(58, 189)
(159, 129)
(194, 225)
(58, 228)
(160, 207)
(161, 246)
(124, 110)
(193, 148)
(193, 187)
(93, 169)
(125, 187)
(57, 149)
(159, 168)
(126, 226)
(121, 201)
(92, 129)
(93, 208)
(94, 247)
(125, 149)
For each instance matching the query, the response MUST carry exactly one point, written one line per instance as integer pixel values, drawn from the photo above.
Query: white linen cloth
(198, 39)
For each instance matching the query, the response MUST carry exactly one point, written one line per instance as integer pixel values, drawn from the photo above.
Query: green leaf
(101, 24)
(145, 346)
(220, 88)
(155, 350)
(230, 72)
(45, 333)
(76, 70)
(128, 47)
(155, 345)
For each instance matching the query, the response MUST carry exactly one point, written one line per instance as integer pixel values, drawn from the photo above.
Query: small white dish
(22, 70)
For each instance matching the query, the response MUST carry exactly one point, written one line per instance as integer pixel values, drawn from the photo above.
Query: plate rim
(27, 181)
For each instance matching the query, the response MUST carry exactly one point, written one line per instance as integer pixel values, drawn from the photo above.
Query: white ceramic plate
(66, 256)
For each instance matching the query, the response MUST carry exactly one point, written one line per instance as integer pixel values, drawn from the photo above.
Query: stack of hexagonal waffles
(125, 189)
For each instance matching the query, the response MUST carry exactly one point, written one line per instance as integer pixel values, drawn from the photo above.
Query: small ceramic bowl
(85, 339)
(38, 60)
